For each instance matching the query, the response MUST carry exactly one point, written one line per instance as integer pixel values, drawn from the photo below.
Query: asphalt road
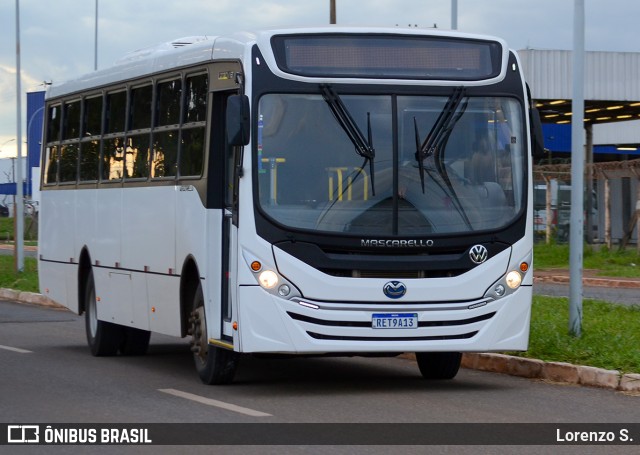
(624, 296)
(48, 375)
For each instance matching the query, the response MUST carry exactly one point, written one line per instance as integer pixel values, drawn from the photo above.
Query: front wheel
(439, 365)
(214, 365)
(104, 338)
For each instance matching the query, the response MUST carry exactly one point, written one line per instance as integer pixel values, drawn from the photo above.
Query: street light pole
(454, 14)
(95, 48)
(19, 240)
(577, 174)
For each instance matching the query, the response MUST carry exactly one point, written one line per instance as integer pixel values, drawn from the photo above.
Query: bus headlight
(513, 279)
(268, 279)
(267, 276)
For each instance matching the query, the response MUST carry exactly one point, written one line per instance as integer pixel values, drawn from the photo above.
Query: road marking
(216, 403)
(21, 351)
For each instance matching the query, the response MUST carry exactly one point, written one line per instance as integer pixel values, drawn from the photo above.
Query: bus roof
(189, 51)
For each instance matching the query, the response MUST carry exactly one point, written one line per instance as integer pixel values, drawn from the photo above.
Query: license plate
(394, 321)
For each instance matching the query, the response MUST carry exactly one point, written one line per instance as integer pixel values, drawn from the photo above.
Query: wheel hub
(198, 332)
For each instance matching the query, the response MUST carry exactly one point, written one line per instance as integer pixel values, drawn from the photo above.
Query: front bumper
(267, 323)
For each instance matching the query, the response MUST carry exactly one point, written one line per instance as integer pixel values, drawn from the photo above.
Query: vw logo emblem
(394, 289)
(478, 254)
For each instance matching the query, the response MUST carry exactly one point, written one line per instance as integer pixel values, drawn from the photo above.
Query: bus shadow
(348, 375)
(304, 376)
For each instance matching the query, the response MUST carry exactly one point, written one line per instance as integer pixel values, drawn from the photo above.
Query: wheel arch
(189, 281)
(84, 268)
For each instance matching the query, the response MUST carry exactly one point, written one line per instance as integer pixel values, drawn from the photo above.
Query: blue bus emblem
(394, 289)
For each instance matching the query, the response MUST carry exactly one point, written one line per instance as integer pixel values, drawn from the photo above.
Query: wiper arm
(364, 146)
(436, 141)
(421, 155)
(439, 131)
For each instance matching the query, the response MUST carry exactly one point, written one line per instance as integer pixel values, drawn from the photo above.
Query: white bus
(317, 191)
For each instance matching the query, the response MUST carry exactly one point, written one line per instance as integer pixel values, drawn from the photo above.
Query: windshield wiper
(440, 131)
(363, 145)
(436, 142)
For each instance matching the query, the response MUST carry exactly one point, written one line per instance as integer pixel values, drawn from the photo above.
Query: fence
(612, 202)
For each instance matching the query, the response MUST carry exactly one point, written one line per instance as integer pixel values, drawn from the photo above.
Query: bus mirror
(237, 120)
(537, 138)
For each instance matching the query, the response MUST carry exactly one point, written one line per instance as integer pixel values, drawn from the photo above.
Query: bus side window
(137, 156)
(70, 142)
(165, 154)
(136, 150)
(90, 141)
(50, 162)
(51, 165)
(192, 151)
(113, 143)
(192, 141)
(113, 159)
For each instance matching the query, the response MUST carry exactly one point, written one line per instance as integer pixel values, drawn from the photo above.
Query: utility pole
(332, 11)
(454, 14)
(576, 246)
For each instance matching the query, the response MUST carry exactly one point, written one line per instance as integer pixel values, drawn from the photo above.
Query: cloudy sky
(57, 37)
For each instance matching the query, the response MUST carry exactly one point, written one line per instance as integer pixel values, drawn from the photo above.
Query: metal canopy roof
(612, 85)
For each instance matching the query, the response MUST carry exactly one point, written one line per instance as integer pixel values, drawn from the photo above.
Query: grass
(25, 281)
(7, 229)
(614, 263)
(610, 334)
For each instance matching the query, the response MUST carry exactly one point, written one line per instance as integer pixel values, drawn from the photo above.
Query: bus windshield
(420, 165)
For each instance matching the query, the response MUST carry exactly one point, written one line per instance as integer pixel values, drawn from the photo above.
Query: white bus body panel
(136, 276)
(58, 278)
(164, 304)
(149, 229)
(105, 246)
(58, 281)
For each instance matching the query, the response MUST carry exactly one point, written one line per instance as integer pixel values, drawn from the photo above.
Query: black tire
(214, 365)
(135, 342)
(439, 365)
(104, 338)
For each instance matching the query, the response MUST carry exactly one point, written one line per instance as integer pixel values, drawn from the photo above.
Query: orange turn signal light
(256, 266)
(524, 267)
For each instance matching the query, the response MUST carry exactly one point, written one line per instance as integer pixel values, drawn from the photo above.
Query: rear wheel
(214, 365)
(439, 365)
(104, 338)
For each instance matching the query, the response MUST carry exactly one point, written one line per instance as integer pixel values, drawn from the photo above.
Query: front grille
(385, 263)
(389, 274)
(367, 324)
(463, 336)
(393, 274)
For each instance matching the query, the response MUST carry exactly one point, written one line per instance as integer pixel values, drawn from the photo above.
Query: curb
(589, 281)
(559, 372)
(28, 297)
